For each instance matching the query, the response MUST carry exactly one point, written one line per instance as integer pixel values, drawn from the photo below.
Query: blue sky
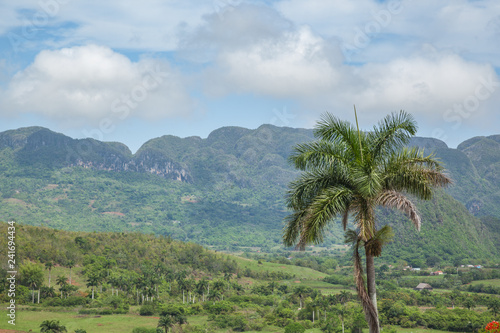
(130, 71)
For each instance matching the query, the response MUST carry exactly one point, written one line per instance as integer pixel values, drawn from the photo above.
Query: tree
(165, 322)
(294, 328)
(494, 306)
(52, 326)
(32, 276)
(343, 297)
(70, 264)
(349, 173)
(201, 286)
(469, 303)
(49, 266)
(62, 283)
(170, 316)
(93, 279)
(454, 297)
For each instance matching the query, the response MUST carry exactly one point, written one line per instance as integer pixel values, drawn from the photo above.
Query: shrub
(294, 328)
(237, 323)
(195, 309)
(220, 307)
(256, 325)
(147, 310)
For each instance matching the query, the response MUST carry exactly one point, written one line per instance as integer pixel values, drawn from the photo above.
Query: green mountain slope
(225, 191)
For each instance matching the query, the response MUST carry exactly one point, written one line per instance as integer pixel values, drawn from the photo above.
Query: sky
(130, 71)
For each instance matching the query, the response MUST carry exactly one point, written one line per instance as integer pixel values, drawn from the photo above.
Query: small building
(437, 273)
(423, 286)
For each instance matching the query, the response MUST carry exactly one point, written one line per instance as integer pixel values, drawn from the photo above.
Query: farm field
(30, 321)
(299, 272)
(492, 282)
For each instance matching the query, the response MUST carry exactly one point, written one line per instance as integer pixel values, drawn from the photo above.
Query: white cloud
(426, 83)
(292, 66)
(88, 83)
(294, 62)
(424, 57)
(150, 25)
(469, 28)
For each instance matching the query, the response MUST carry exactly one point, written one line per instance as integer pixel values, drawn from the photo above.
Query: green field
(326, 288)
(493, 283)
(301, 273)
(31, 320)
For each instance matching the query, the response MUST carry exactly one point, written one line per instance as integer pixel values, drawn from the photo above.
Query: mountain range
(227, 190)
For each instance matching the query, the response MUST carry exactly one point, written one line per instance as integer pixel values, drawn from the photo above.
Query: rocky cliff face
(40, 146)
(234, 156)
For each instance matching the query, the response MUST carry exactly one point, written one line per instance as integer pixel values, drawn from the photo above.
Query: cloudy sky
(129, 71)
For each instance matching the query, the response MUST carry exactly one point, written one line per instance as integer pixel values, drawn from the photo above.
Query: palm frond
(351, 237)
(339, 132)
(394, 199)
(331, 202)
(303, 191)
(410, 171)
(294, 224)
(383, 236)
(367, 181)
(318, 154)
(392, 133)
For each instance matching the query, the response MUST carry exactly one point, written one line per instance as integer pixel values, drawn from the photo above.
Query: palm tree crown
(350, 173)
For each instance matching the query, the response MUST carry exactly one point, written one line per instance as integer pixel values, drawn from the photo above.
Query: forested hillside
(225, 191)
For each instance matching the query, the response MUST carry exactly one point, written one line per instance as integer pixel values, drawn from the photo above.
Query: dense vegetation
(149, 281)
(230, 195)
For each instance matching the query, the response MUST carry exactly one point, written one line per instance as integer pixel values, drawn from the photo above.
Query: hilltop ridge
(225, 191)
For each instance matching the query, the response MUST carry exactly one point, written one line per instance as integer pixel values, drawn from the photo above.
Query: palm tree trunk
(372, 291)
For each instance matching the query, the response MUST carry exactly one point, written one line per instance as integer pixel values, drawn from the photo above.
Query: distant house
(423, 286)
(416, 269)
(437, 273)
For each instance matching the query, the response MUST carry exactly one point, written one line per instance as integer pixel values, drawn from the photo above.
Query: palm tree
(343, 297)
(166, 322)
(62, 282)
(49, 266)
(32, 276)
(201, 286)
(70, 264)
(170, 316)
(93, 281)
(349, 173)
(52, 326)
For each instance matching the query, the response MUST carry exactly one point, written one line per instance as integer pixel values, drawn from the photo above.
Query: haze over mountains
(227, 190)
